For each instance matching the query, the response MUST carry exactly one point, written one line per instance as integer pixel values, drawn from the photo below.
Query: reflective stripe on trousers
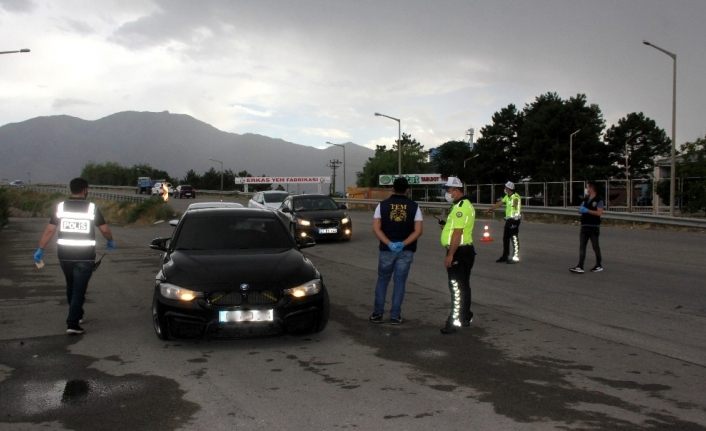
(455, 303)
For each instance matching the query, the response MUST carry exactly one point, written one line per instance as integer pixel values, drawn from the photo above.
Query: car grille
(227, 299)
(326, 223)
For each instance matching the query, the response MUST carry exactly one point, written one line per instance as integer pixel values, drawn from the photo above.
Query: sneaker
(515, 259)
(375, 318)
(395, 320)
(577, 270)
(501, 259)
(467, 323)
(75, 330)
(597, 268)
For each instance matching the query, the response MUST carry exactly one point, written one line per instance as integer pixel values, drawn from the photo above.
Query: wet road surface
(624, 349)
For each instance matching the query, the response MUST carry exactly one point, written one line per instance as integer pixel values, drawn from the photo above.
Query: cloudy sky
(311, 71)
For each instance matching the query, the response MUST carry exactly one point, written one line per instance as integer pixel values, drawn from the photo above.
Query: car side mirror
(305, 241)
(159, 244)
(174, 222)
(286, 210)
(343, 206)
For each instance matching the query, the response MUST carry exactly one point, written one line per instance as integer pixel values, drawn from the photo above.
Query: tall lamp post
(673, 168)
(218, 161)
(19, 51)
(628, 186)
(345, 188)
(399, 140)
(571, 166)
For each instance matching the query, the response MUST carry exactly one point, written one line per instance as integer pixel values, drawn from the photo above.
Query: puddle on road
(533, 389)
(47, 383)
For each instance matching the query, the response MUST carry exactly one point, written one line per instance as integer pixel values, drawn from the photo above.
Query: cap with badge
(454, 182)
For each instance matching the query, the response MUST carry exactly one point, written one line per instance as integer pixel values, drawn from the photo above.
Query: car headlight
(172, 291)
(307, 289)
(304, 222)
(345, 220)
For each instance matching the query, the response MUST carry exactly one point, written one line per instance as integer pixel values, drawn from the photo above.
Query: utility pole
(333, 164)
(470, 133)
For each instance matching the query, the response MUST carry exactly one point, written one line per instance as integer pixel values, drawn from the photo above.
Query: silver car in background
(270, 199)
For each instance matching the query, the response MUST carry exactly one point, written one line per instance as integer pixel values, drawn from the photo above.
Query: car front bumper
(199, 318)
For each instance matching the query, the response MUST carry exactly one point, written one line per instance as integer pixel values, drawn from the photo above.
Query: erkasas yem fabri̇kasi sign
(282, 180)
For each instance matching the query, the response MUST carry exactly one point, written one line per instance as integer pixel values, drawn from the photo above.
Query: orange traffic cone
(486, 235)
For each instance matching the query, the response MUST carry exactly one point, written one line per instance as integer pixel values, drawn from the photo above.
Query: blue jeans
(390, 264)
(77, 274)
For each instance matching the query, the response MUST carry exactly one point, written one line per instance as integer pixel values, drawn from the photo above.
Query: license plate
(328, 230)
(246, 316)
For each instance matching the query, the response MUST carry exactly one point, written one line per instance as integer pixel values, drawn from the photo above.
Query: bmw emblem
(244, 287)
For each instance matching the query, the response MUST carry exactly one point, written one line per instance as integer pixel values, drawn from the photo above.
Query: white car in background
(157, 189)
(270, 199)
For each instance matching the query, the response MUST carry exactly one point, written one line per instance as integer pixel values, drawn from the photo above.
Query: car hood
(317, 215)
(209, 271)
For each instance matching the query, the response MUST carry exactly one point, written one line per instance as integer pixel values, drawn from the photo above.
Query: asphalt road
(621, 350)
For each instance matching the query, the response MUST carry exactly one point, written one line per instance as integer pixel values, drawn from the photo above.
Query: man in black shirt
(75, 219)
(397, 224)
(591, 211)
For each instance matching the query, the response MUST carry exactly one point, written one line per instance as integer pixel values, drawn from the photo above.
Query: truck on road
(144, 185)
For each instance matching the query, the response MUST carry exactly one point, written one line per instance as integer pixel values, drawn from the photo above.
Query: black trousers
(511, 231)
(459, 275)
(589, 233)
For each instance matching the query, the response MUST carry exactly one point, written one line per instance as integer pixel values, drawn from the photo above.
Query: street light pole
(673, 168)
(218, 161)
(571, 167)
(345, 188)
(628, 186)
(399, 140)
(19, 51)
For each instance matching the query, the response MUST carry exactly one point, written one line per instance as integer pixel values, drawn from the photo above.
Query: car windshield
(274, 198)
(314, 203)
(230, 231)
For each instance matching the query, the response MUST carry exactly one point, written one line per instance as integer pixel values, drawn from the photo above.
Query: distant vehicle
(268, 199)
(233, 272)
(144, 185)
(17, 183)
(157, 189)
(317, 216)
(184, 191)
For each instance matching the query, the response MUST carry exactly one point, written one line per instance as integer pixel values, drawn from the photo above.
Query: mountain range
(56, 148)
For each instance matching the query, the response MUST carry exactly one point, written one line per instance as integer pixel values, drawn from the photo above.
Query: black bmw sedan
(317, 216)
(236, 272)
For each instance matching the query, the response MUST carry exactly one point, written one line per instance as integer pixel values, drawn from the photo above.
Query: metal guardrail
(559, 211)
(93, 194)
(608, 215)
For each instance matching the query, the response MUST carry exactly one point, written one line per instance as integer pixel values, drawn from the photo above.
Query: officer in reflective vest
(513, 216)
(75, 219)
(457, 239)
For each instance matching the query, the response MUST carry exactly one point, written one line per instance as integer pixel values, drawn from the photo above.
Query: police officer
(591, 210)
(397, 223)
(457, 239)
(75, 219)
(513, 214)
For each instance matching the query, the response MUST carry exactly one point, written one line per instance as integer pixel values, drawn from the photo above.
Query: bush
(149, 211)
(4, 207)
(28, 203)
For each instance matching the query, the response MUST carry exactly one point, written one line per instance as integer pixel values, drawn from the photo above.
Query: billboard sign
(413, 179)
(282, 180)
